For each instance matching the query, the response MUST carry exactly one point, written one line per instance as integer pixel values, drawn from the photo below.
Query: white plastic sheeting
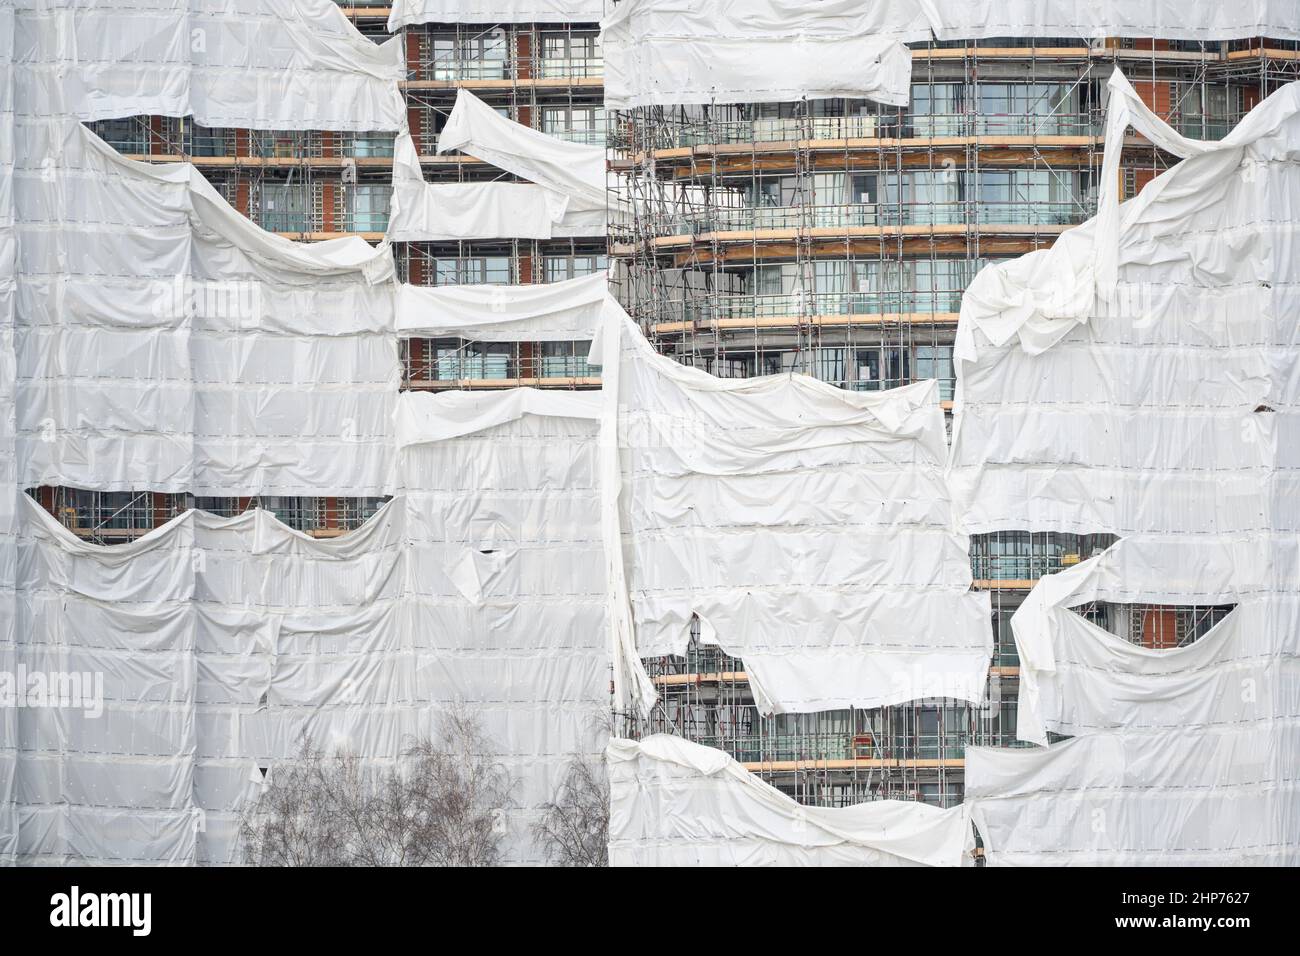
(1182, 20)
(504, 577)
(166, 342)
(675, 803)
(565, 311)
(664, 52)
(260, 64)
(433, 212)
(1184, 756)
(1166, 398)
(407, 12)
(564, 197)
(1077, 678)
(806, 526)
(222, 642)
(571, 169)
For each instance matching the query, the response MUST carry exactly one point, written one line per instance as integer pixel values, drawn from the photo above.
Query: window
(112, 509)
(935, 361)
(354, 512)
(559, 268)
(578, 124)
(223, 507)
(283, 207)
(936, 109)
(880, 367)
(130, 136)
(473, 270)
(565, 359)
(368, 145)
(570, 53)
(301, 514)
(482, 56)
(367, 207)
(830, 365)
(210, 142)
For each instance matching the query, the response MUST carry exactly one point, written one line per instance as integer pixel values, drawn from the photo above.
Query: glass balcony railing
(791, 129)
(854, 215)
(451, 68)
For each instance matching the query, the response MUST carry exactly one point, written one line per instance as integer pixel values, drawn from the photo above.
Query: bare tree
(573, 829)
(442, 804)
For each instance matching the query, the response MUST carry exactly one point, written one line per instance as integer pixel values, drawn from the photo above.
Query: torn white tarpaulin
(1077, 678)
(806, 526)
(1225, 796)
(429, 212)
(456, 414)
(1096, 19)
(664, 52)
(259, 64)
(165, 342)
(676, 803)
(212, 646)
(661, 52)
(408, 12)
(505, 575)
(191, 657)
(1165, 401)
(574, 170)
(567, 311)
(1184, 755)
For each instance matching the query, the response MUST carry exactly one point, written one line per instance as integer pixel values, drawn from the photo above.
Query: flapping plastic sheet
(1077, 678)
(807, 527)
(430, 212)
(1163, 398)
(260, 64)
(565, 311)
(574, 170)
(1183, 756)
(165, 342)
(663, 52)
(210, 647)
(1222, 797)
(1194, 20)
(407, 12)
(505, 574)
(676, 803)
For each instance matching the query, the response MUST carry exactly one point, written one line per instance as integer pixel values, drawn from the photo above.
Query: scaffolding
(313, 185)
(835, 238)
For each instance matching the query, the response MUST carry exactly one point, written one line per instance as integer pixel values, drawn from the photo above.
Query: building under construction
(832, 236)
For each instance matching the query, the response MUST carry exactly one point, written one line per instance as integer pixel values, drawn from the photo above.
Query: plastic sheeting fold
(1077, 678)
(408, 12)
(563, 199)
(259, 64)
(166, 342)
(807, 527)
(1184, 756)
(222, 642)
(663, 52)
(567, 311)
(675, 803)
(1139, 375)
(666, 52)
